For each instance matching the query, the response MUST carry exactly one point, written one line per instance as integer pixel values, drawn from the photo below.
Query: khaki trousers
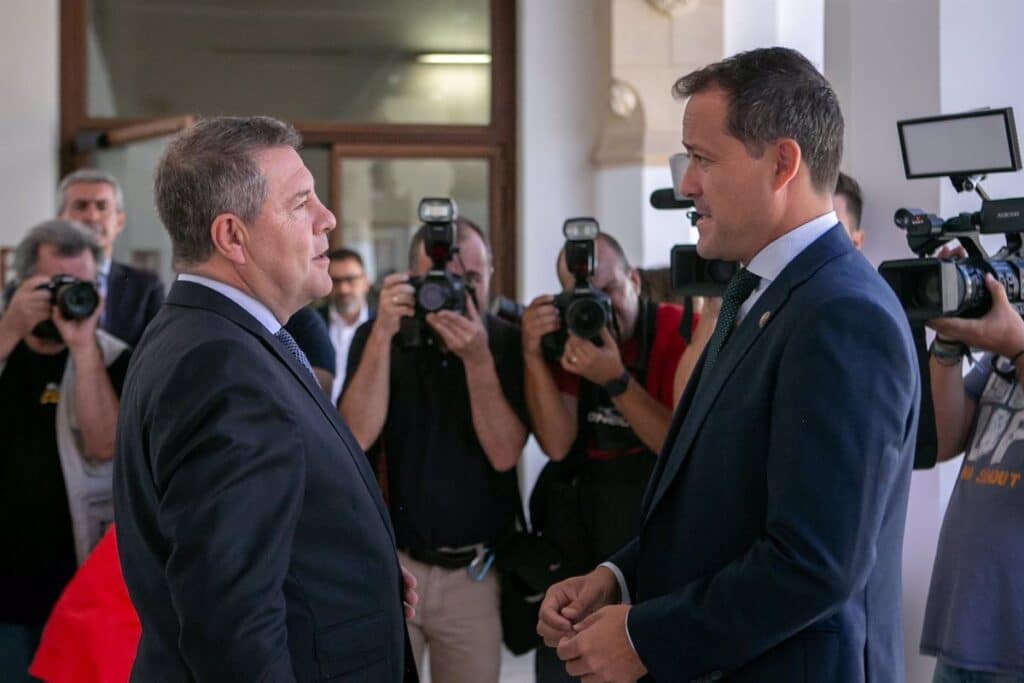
(457, 618)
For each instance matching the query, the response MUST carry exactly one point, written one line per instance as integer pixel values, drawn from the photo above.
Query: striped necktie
(289, 343)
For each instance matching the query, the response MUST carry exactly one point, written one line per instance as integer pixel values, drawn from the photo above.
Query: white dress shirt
(251, 306)
(341, 338)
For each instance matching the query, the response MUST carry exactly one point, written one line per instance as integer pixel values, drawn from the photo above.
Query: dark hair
(463, 228)
(210, 169)
(68, 238)
(346, 254)
(850, 188)
(776, 93)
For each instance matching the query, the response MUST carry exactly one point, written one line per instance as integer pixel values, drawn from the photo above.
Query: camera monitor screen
(971, 143)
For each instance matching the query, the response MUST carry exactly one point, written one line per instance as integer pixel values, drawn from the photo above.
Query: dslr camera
(965, 147)
(439, 289)
(582, 310)
(76, 299)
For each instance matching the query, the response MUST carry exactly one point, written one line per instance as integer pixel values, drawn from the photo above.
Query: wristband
(618, 386)
(948, 352)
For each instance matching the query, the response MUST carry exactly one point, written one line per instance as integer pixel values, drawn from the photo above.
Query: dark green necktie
(736, 292)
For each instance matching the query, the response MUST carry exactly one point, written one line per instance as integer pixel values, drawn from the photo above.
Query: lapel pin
(765, 317)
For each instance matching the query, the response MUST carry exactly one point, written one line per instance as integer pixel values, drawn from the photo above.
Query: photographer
(449, 418)
(606, 408)
(59, 378)
(974, 620)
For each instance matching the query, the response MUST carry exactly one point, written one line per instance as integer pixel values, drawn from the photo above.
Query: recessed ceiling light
(454, 58)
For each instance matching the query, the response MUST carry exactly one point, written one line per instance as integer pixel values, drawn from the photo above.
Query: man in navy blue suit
(132, 296)
(772, 528)
(253, 539)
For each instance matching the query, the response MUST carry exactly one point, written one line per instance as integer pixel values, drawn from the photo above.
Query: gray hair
(68, 238)
(776, 93)
(88, 175)
(210, 169)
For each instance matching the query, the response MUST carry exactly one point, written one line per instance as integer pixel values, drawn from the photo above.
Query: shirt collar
(250, 305)
(103, 268)
(773, 258)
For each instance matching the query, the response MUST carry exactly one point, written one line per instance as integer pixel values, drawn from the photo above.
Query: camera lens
(928, 291)
(586, 317)
(432, 296)
(77, 301)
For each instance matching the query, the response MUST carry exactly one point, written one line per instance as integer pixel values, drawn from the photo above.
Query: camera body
(76, 299)
(692, 275)
(938, 146)
(439, 289)
(582, 310)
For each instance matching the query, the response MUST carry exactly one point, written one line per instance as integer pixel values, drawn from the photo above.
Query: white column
(29, 119)
(799, 24)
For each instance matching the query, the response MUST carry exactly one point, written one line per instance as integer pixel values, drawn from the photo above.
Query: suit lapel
(691, 413)
(195, 295)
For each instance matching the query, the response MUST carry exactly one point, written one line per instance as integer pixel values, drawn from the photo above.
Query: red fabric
(666, 350)
(93, 631)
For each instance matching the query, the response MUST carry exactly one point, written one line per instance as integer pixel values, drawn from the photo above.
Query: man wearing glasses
(346, 308)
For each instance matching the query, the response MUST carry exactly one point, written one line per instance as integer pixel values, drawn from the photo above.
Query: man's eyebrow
(299, 195)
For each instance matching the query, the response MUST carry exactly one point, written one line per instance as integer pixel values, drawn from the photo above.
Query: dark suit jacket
(133, 298)
(772, 528)
(253, 539)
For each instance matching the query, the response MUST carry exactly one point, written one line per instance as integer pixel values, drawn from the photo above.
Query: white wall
(557, 88)
(797, 24)
(29, 118)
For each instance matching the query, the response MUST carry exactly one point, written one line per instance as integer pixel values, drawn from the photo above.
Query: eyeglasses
(347, 279)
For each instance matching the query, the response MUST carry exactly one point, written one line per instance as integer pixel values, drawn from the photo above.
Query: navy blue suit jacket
(133, 298)
(772, 529)
(253, 538)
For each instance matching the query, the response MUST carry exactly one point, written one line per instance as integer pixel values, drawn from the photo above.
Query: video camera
(76, 299)
(439, 289)
(583, 310)
(965, 147)
(689, 273)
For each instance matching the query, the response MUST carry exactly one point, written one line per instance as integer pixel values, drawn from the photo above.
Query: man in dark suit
(132, 295)
(772, 528)
(253, 540)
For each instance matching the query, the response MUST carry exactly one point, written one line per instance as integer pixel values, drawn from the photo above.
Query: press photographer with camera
(600, 403)
(59, 381)
(976, 578)
(435, 384)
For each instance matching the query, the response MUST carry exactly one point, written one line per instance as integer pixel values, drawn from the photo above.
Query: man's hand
(1000, 331)
(409, 596)
(78, 335)
(396, 301)
(598, 364)
(463, 335)
(28, 307)
(539, 318)
(568, 602)
(600, 650)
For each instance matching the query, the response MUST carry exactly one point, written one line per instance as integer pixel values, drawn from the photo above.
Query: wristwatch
(618, 386)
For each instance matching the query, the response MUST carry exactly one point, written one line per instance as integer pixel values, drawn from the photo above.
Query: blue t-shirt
(975, 613)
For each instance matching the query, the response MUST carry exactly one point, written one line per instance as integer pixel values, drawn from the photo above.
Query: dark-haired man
(771, 534)
(346, 308)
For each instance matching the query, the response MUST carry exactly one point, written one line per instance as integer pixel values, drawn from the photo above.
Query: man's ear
(787, 162)
(230, 237)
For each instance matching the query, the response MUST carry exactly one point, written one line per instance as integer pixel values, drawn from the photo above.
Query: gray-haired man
(133, 295)
(59, 385)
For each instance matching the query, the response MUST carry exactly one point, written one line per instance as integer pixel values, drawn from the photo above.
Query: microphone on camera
(665, 198)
